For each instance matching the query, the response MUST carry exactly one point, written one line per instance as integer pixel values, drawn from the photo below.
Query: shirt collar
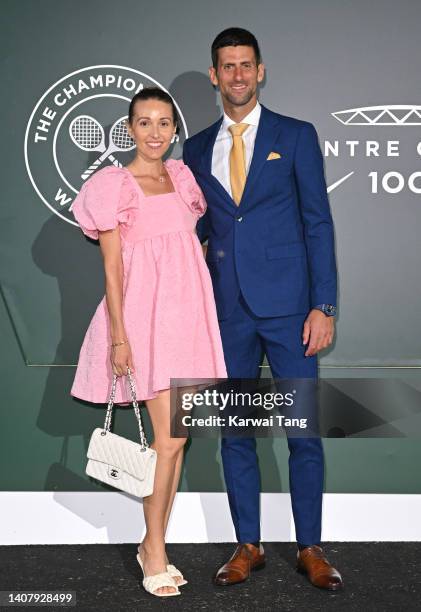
(252, 118)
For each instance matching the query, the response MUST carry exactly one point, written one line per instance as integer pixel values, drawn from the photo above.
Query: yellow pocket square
(273, 155)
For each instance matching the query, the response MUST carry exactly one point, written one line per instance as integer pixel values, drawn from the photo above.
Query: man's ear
(260, 72)
(212, 76)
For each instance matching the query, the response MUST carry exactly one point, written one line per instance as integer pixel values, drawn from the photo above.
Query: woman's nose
(155, 131)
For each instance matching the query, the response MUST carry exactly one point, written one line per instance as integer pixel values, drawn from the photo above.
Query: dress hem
(128, 403)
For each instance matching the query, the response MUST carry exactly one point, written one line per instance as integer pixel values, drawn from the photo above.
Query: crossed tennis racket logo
(88, 134)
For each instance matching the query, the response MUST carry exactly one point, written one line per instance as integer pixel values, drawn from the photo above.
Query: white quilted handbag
(117, 461)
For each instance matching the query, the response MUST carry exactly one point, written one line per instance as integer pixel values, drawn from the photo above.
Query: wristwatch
(328, 309)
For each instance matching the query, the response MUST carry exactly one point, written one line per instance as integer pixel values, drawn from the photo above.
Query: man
(271, 257)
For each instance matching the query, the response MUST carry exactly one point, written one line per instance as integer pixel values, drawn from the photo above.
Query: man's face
(237, 74)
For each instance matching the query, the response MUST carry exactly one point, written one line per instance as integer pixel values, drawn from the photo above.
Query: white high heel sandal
(175, 573)
(156, 581)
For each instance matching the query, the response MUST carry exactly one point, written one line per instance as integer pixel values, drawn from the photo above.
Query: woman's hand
(121, 357)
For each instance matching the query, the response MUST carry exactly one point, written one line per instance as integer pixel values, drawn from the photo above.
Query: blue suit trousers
(246, 338)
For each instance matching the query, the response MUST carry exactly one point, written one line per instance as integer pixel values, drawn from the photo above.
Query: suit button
(239, 219)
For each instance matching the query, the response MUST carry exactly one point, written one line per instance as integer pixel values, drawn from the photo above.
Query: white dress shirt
(223, 145)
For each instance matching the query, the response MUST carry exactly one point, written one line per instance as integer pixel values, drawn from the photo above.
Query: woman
(158, 313)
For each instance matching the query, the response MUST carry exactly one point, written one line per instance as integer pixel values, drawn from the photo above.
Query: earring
(175, 138)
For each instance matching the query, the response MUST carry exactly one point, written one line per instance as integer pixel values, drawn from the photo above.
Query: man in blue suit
(271, 258)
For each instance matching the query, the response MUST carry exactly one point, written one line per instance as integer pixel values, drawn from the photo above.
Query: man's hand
(318, 332)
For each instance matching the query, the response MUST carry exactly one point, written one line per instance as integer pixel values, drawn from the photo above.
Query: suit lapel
(207, 165)
(208, 144)
(265, 138)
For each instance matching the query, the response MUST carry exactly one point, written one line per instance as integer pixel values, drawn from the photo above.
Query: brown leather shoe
(245, 559)
(320, 572)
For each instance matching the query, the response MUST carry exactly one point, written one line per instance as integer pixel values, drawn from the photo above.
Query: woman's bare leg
(174, 487)
(179, 459)
(178, 465)
(157, 506)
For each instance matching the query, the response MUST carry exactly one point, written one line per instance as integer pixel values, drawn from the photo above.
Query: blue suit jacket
(277, 246)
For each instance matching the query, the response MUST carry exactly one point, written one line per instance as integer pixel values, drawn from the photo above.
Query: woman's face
(152, 128)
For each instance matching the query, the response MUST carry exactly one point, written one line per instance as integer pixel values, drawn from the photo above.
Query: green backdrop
(52, 278)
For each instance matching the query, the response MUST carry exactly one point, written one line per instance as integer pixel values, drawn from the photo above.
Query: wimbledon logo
(77, 127)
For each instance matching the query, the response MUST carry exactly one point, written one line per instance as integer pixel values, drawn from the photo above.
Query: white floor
(113, 517)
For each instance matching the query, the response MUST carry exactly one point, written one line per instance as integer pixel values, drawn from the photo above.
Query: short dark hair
(232, 37)
(154, 93)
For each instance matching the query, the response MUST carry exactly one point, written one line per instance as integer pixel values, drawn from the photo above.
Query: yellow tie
(238, 161)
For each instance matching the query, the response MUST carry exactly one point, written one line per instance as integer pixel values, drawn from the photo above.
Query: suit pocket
(280, 165)
(293, 249)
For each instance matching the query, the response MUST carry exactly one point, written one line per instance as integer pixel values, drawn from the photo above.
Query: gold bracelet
(119, 343)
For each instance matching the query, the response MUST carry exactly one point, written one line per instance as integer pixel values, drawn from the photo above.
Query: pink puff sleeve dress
(169, 310)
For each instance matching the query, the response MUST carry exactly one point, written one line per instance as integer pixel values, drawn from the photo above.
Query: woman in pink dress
(158, 315)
